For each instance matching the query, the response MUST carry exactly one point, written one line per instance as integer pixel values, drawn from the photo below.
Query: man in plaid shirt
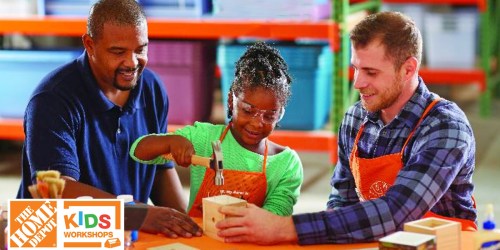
(404, 152)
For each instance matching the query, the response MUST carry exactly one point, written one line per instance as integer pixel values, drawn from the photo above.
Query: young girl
(255, 168)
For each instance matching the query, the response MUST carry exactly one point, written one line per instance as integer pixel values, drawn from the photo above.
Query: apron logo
(378, 189)
(234, 193)
(65, 223)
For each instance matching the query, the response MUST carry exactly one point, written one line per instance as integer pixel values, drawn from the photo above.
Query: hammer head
(216, 163)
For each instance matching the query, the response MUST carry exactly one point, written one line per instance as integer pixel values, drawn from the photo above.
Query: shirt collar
(100, 102)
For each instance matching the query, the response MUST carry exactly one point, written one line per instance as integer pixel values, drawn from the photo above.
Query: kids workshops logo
(75, 224)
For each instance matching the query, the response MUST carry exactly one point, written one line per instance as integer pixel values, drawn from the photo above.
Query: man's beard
(132, 84)
(124, 88)
(387, 98)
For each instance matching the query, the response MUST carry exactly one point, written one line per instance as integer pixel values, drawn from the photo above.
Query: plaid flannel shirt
(438, 163)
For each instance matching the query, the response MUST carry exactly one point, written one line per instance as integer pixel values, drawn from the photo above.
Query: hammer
(213, 163)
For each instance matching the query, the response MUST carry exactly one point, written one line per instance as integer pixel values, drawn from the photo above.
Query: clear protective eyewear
(249, 111)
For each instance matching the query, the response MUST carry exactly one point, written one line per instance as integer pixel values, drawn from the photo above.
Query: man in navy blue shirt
(84, 116)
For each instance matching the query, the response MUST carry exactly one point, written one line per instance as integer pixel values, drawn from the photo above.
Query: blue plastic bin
(311, 70)
(66, 7)
(176, 8)
(21, 72)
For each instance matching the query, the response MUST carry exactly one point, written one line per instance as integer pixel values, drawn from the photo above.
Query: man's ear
(410, 68)
(88, 43)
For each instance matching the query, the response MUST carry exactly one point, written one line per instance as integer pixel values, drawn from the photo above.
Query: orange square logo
(33, 223)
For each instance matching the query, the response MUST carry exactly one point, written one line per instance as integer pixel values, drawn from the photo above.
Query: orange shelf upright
(43, 26)
(11, 129)
(183, 28)
(324, 141)
(454, 76)
(214, 29)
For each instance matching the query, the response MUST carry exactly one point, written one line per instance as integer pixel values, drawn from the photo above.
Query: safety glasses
(248, 111)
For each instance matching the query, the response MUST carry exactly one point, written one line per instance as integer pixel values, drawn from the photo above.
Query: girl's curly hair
(262, 67)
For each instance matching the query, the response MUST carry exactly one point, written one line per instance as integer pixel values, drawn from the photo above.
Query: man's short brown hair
(397, 32)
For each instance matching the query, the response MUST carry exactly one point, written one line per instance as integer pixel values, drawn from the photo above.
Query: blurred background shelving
(299, 24)
(181, 28)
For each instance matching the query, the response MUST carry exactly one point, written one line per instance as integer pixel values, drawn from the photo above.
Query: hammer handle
(195, 160)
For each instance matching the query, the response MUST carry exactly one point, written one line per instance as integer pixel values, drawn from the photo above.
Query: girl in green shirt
(255, 168)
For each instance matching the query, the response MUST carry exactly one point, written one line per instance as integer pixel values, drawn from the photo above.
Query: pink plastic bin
(187, 69)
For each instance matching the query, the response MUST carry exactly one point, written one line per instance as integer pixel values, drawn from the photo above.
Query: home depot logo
(68, 223)
(33, 223)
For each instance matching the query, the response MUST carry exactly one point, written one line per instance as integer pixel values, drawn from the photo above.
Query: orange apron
(250, 186)
(374, 176)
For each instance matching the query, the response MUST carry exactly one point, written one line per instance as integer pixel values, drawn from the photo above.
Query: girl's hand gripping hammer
(214, 163)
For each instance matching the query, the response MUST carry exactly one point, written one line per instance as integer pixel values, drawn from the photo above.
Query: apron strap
(223, 135)
(354, 152)
(427, 110)
(359, 134)
(264, 162)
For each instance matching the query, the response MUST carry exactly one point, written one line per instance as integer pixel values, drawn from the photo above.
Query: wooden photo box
(447, 232)
(211, 213)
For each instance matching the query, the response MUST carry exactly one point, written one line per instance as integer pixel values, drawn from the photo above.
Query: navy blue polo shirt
(70, 126)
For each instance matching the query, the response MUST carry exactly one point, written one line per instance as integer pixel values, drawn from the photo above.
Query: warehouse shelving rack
(12, 129)
(335, 31)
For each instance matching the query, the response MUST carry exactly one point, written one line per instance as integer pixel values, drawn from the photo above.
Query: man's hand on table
(255, 225)
(164, 220)
(170, 222)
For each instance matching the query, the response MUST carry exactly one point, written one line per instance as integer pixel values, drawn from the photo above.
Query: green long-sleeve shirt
(283, 171)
